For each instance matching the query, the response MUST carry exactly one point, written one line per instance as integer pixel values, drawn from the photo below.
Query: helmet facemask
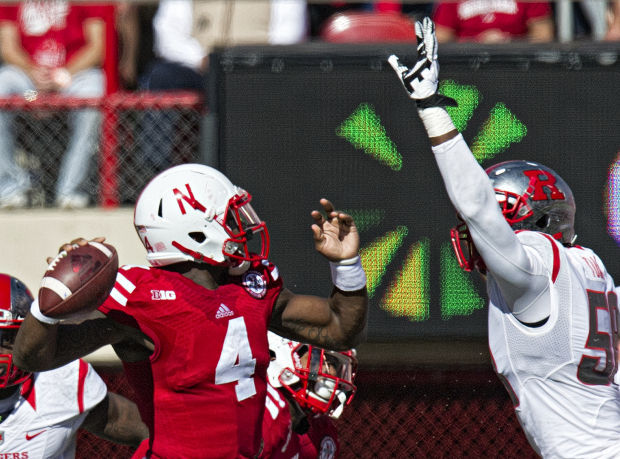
(248, 236)
(318, 380)
(15, 300)
(466, 253)
(10, 375)
(325, 380)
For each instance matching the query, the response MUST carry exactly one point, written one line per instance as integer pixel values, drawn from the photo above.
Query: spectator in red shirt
(493, 21)
(52, 47)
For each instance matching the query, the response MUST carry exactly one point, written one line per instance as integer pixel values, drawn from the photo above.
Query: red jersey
(279, 440)
(51, 31)
(470, 18)
(202, 392)
(321, 440)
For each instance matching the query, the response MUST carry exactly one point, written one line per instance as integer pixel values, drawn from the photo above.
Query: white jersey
(560, 373)
(52, 406)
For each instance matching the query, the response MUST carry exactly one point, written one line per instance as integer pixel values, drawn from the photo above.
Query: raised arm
(521, 277)
(339, 321)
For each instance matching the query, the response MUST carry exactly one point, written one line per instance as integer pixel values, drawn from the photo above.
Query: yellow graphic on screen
(458, 295)
(408, 294)
(378, 254)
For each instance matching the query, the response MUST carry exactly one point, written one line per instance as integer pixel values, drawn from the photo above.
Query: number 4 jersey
(560, 374)
(202, 393)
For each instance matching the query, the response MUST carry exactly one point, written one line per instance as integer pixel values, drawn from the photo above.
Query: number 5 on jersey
(236, 362)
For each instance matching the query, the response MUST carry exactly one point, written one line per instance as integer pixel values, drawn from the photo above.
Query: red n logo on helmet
(539, 184)
(189, 199)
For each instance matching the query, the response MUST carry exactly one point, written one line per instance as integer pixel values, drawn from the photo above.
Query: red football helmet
(532, 197)
(320, 381)
(15, 300)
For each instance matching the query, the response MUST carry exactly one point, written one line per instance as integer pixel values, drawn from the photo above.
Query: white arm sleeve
(521, 276)
(172, 28)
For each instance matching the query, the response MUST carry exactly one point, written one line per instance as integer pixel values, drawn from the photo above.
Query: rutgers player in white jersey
(552, 304)
(40, 413)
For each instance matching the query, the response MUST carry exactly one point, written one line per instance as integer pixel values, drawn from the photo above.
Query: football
(78, 281)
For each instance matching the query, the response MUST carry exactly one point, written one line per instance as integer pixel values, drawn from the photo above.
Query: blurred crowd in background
(183, 31)
(92, 49)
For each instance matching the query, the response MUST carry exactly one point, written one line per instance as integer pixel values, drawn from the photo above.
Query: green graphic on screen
(407, 286)
(501, 129)
(458, 295)
(366, 218)
(364, 130)
(467, 98)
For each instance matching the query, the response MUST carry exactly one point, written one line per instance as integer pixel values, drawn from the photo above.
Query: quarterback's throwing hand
(421, 80)
(335, 234)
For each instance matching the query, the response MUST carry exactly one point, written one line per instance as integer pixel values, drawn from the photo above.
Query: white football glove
(421, 81)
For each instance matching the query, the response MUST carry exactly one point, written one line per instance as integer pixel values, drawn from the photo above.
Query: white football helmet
(320, 381)
(192, 212)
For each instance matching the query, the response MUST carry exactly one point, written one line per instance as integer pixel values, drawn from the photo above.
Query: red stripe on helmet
(5, 292)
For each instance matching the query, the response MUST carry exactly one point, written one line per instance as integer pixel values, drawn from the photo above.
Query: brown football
(78, 281)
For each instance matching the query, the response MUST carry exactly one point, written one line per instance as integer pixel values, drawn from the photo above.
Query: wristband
(348, 275)
(36, 312)
(436, 121)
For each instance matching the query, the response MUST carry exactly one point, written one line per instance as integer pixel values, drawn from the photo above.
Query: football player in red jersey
(191, 328)
(40, 413)
(308, 387)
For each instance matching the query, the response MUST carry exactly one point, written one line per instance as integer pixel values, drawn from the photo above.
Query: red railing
(110, 107)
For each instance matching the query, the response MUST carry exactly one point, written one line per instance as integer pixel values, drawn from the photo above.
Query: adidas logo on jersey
(223, 311)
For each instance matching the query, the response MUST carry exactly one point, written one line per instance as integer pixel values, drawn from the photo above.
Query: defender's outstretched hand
(421, 80)
(335, 236)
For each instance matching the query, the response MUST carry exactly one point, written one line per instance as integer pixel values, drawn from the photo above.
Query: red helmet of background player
(15, 300)
(532, 197)
(320, 381)
(192, 212)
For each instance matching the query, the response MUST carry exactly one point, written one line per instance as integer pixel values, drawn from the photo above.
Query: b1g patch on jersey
(328, 448)
(255, 284)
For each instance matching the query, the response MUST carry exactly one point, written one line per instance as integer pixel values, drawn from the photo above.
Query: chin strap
(341, 396)
(239, 269)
